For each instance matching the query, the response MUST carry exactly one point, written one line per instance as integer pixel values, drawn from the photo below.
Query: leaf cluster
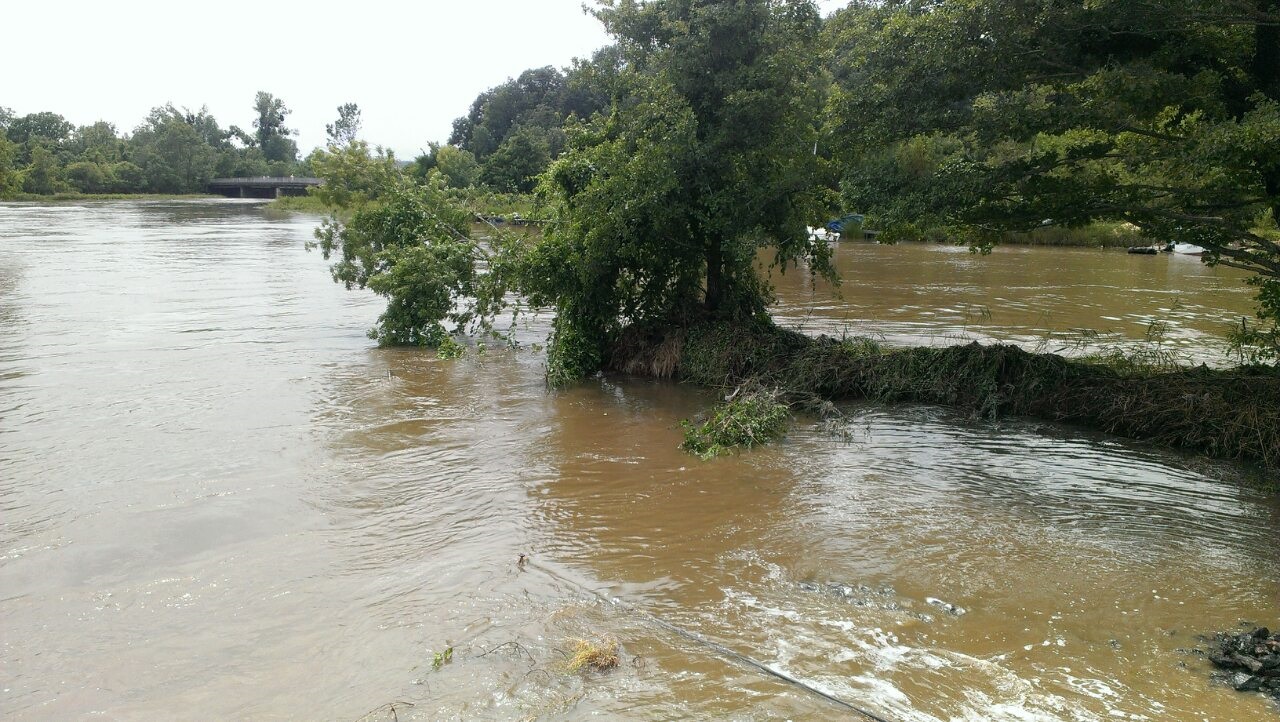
(748, 418)
(413, 246)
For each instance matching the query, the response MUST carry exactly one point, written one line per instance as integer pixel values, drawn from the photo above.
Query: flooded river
(218, 500)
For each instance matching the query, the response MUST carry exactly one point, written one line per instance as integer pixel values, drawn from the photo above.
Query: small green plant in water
(448, 348)
(746, 419)
(440, 659)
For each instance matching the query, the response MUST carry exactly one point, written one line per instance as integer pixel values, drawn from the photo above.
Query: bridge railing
(267, 181)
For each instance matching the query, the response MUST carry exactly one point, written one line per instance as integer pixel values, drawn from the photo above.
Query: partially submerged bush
(412, 246)
(747, 418)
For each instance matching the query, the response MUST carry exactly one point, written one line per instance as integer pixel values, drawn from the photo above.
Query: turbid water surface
(219, 500)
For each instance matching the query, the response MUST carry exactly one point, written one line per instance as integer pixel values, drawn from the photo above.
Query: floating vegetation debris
(746, 418)
(440, 659)
(599, 655)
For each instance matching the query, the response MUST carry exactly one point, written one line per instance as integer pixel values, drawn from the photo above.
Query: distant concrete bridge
(262, 186)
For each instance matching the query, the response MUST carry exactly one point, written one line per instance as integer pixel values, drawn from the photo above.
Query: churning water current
(219, 500)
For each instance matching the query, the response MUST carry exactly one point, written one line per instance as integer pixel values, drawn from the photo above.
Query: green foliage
(49, 127)
(659, 208)
(345, 129)
(353, 174)
(440, 659)
(747, 418)
(174, 151)
(90, 177)
(983, 117)
(271, 134)
(173, 156)
(1259, 343)
(537, 99)
(42, 175)
(411, 246)
(10, 178)
(97, 143)
(459, 167)
(516, 129)
(481, 200)
(515, 165)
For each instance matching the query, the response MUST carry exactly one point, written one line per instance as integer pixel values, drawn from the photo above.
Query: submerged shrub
(413, 246)
(747, 418)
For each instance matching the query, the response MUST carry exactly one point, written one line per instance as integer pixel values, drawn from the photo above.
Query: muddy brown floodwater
(218, 500)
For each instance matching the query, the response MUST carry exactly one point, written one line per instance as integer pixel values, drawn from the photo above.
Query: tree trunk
(715, 275)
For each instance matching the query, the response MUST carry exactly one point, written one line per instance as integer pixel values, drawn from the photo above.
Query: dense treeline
(513, 131)
(965, 121)
(973, 118)
(172, 151)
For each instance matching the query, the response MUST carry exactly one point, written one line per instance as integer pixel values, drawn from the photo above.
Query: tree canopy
(174, 150)
(272, 135)
(345, 129)
(659, 204)
(987, 116)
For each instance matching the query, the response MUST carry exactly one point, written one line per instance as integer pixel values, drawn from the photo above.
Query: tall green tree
(271, 134)
(659, 209)
(172, 154)
(345, 129)
(96, 143)
(459, 167)
(42, 175)
(353, 174)
(514, 167)
(10, 178)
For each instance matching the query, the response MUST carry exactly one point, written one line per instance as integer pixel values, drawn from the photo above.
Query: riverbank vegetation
(1232, 413)
(716, 130)
(173, 151)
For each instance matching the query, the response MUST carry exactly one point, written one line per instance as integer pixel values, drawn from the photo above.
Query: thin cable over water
(719, 649)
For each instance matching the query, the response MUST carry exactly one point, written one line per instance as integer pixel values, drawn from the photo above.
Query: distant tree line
(174, 150)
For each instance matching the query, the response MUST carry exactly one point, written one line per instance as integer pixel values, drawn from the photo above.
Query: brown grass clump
(648, 352)
(599, 655)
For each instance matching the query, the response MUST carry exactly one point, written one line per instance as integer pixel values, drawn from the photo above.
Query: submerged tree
(659, 208)
(413, 246)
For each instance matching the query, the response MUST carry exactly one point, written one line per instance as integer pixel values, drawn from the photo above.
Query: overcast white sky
(412, 67)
